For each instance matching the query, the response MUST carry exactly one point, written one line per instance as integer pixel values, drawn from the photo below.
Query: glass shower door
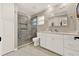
(23, 33)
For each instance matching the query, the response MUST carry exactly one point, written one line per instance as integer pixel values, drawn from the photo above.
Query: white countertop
(64, 33)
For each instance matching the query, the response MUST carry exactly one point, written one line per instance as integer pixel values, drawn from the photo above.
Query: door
(6, 28)
(0, 29)
(55, 43)
(60, 44)
(51, 42)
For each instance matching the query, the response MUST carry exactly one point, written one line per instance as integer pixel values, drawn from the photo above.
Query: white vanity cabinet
(52, 42)
(63, 44)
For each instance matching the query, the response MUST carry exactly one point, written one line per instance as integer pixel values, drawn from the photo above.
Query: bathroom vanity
(59, 42)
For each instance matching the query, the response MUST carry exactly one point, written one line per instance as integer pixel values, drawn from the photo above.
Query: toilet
(36, 41)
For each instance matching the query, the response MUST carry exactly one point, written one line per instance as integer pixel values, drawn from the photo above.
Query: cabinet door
(60, 47)
(55, 43)
(58, 43)
(68, 40)
(42, 41)
(51, 43)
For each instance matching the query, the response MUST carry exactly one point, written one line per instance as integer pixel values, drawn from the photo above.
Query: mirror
(58, 21)
(77, 10)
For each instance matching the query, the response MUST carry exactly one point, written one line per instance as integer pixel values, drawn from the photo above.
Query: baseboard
(24, 45)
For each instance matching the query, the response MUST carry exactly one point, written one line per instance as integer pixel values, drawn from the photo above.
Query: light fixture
(63, 5)
(50, 8)
(49, 11)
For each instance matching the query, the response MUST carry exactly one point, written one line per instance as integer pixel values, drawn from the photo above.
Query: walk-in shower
(24, 30)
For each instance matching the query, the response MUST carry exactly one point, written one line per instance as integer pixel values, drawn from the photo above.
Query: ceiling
(33, 8)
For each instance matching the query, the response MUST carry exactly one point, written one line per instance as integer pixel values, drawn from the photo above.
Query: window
(34, 22)
(40, 20)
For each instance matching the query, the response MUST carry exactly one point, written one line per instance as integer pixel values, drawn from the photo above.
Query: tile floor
(24, 41)
(30, 50)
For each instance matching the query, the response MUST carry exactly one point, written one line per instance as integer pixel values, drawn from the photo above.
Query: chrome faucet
(56, 30)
